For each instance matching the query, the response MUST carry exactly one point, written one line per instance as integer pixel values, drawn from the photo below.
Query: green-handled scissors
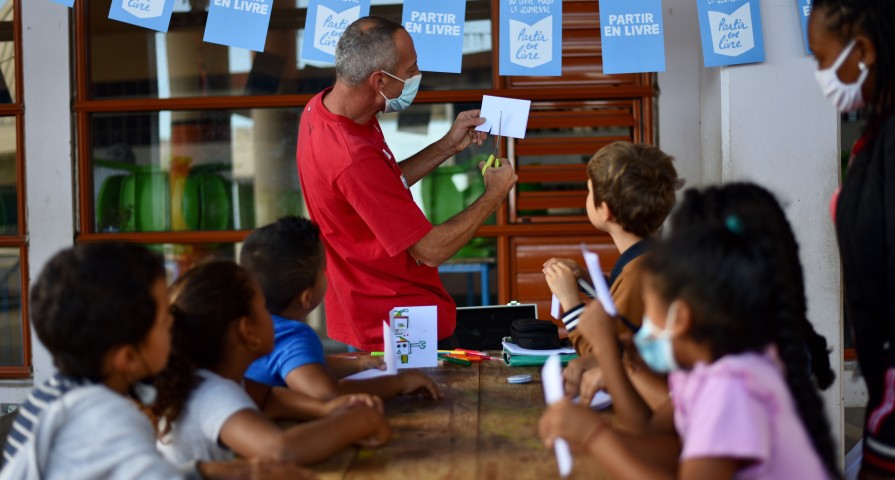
(493, 160)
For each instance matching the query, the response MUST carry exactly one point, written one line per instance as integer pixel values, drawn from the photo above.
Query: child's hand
(598, 328)
(574, 423)
(382, 434)
(368, 362)
(414, 382)
(347, 402)
(573, 371)
(579, 273)
(562, 282)
(591, 382)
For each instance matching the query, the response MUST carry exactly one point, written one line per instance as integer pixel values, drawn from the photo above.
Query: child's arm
(341, 367)
(251, 435)
(599, 328)
(406, 382)
(563, 283)
(279, 403)
(315, 380)
(625, 456)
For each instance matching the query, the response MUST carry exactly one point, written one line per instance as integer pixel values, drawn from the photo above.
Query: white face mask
(845, 97)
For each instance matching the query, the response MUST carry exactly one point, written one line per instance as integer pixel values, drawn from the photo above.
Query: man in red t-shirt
(381, 250)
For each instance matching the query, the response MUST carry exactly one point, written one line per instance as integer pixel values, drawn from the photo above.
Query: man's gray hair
(366, 46)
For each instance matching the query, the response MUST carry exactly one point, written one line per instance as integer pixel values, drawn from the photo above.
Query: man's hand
(462, 132)
(499, 179)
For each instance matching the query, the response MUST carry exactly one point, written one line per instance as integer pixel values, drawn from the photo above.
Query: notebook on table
(483, 328)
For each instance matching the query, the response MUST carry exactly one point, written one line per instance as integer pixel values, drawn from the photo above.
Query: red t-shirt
(355, 192)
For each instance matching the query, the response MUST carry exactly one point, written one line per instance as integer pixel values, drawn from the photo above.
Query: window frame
(640, 87)
(20, 239)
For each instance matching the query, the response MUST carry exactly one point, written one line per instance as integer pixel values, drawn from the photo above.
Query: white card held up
(415, 335)
(596, 277)
(388, 350)
(512, 114)
(554, 308)
(551, 377)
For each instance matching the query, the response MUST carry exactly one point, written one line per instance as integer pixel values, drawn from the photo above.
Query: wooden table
(484, 428)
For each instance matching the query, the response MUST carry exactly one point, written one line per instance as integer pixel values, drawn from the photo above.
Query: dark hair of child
(637, 182)
(286, 257)
(205, 301)
(91, 298)
(876, 20)
(729, 280)
(761, 215)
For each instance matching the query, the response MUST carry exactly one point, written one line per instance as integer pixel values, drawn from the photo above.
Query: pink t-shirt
(740, 407)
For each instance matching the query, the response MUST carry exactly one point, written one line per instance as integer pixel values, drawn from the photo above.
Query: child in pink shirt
(743, 404)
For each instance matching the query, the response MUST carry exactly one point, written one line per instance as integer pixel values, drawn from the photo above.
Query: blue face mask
(654, 345)
(408, 93)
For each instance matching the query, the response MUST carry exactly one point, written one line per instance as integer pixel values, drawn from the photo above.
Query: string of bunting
(631, 31)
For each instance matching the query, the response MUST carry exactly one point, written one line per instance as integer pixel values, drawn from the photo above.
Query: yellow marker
(493, 159)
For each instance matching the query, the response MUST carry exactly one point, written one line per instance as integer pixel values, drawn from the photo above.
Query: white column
(48, 143)
(766, 123)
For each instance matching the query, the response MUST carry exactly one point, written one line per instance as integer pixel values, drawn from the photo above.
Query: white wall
(766, 123)
(48, 153)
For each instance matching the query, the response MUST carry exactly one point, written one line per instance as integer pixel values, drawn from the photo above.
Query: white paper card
(415, 334)
(551, 377)
(388, 354)
(600, 401)
(554, 308)
(512, 114)
(596, 277)
(370, 373)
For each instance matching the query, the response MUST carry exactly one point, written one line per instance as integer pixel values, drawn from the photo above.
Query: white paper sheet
(600, 401)
(512, 114)
(596, 277)
(371, 373)
(551, 377)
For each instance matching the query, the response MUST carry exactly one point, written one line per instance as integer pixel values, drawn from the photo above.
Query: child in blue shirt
(288, 259)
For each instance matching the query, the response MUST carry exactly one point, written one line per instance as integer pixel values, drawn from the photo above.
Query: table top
(484, 428)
